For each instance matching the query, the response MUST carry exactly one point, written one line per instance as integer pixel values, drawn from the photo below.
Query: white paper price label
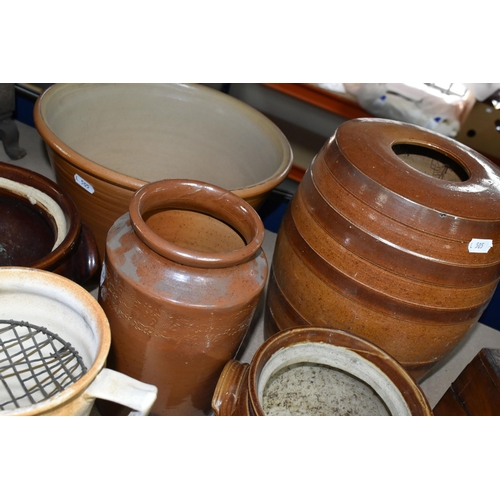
(477, 245)
(85, 185)
(103, 274)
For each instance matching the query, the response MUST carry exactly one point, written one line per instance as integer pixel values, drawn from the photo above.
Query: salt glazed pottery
(318, 371)
(393, 234)
(66, 310)
(105, 141)
(181, 280)
(40, 227)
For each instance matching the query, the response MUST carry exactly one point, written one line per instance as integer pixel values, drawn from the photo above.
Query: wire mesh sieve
(35, 364)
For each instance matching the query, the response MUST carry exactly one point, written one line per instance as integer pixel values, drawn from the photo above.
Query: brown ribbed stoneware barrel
(393, 234)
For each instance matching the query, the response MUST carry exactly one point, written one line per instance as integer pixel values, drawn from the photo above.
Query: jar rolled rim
(205, 198)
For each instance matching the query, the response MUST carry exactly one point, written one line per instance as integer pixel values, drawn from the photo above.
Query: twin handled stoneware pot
(54, 340)
(317, 371)
(181, 280)
(393, 235)
(40, 227)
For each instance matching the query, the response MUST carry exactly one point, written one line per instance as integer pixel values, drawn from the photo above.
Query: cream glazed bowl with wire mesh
(54, 341)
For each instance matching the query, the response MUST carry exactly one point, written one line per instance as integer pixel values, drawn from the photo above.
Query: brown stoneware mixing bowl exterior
(181, 280)
(105, 141)
(393, 235)
(362, 378)
(40, 227)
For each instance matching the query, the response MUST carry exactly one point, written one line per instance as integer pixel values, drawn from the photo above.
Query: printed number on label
(477, 245)
(85, 185)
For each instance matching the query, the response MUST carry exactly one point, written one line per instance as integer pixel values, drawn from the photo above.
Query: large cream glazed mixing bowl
(106, 141)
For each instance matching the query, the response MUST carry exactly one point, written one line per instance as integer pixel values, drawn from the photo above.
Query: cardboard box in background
(481, 129)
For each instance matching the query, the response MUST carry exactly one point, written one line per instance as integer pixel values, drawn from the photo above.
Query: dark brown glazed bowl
(40, 227)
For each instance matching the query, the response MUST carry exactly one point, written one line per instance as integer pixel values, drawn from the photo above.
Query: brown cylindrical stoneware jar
(181, 280)
(393, 234)
(318, 371)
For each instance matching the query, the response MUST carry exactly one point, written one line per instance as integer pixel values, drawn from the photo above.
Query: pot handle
(122, 389)
(228, 389)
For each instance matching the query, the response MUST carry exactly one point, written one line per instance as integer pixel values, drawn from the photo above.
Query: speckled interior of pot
(315, 389)
(322, 379)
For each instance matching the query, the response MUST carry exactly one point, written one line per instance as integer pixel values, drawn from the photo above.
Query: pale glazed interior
(157, 131)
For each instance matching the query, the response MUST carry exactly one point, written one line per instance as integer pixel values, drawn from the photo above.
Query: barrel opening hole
(431, 162)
